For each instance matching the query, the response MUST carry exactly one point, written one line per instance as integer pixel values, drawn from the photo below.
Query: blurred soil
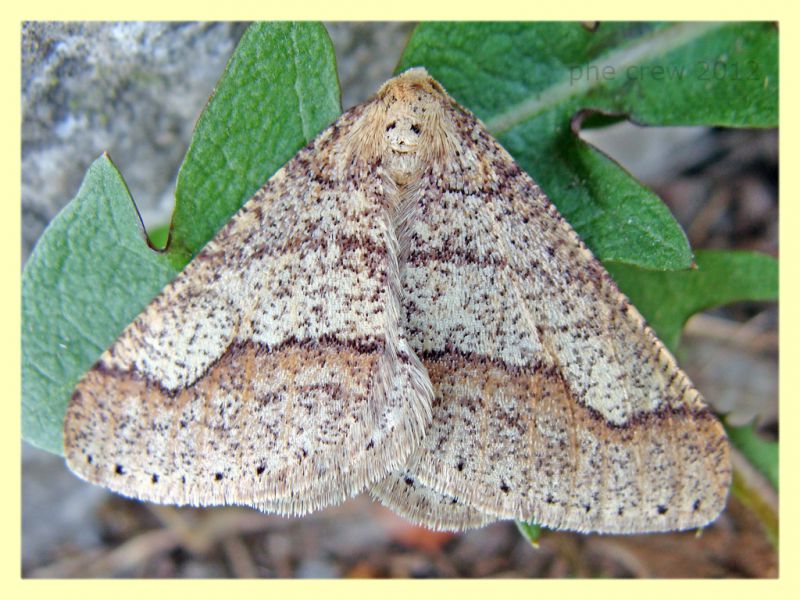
(361, 539)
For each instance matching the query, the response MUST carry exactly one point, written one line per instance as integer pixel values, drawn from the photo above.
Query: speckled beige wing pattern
(416, 501)
(274, 366)
(554, 402)
(282, 368)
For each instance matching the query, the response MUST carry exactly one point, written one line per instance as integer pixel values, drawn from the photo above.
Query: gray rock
(134, 90)
(58, 510)
(367, 55)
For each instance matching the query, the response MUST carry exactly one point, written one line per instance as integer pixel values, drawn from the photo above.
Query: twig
(621, 555)
(191, 537)
(754, 491)
(733, 333)
(709, 214)
(738, 335)
(134, 552)
(239, 559)
(72, 566)
(178, 532)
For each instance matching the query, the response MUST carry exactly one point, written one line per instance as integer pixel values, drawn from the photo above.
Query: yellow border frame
(14, 14)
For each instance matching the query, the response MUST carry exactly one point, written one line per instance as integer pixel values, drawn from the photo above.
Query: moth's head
(409, 122)
(411, 101)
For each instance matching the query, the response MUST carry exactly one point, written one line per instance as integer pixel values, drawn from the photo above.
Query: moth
(401, 309)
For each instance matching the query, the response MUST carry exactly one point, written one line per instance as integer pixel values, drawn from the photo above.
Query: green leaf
(761, 453)
(668, 299)
(92, 271)
(278, 91)
(90, 274)
(527, 81)
(530, 531)
(158, 236)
